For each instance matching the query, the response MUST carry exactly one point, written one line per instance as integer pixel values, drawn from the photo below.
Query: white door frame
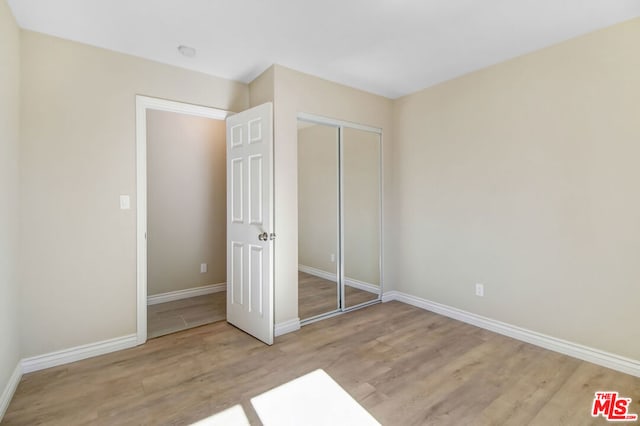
(144, 103)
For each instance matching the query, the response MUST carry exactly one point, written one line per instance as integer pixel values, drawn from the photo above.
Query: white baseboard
(287, 327)
(585, 353)
(77, 353)
(317, 272)
(390, 296)
(10, 389)
(361, 285)
(186, 293)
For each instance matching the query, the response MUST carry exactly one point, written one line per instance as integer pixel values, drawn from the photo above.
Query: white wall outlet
(203, 268)
(125, 202)
(332, 256)
(479, 289)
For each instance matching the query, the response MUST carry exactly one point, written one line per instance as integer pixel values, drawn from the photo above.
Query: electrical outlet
(332, 257)
(479, 290)
(203, 268)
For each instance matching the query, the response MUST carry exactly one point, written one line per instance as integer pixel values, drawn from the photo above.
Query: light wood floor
(318, 296)
(406, 366)
(170, 317)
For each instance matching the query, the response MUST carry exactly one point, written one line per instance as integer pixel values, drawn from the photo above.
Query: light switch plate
(125, 202)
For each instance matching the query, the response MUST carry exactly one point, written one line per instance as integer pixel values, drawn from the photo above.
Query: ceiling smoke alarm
(187, 51)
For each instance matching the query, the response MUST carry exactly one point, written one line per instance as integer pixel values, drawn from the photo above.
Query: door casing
(144, 103)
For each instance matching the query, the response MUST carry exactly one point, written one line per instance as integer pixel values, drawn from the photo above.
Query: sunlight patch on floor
(233, 416)
(313, 399)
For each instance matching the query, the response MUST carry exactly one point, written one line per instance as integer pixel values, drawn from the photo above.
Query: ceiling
(388, 47)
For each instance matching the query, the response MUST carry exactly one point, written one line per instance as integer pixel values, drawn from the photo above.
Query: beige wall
(318, 197)
(524, 176)
(9, 199)
(78, 267)
(297, 92)
(187, 201)
(261, 89)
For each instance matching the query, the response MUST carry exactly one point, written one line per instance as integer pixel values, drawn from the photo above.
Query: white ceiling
(388, 47)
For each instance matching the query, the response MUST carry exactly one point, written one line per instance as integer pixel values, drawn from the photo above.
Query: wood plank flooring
(404, 365)
(318, 296)
(178, 315)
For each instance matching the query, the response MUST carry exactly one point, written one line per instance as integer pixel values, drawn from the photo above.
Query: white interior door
(250, 221)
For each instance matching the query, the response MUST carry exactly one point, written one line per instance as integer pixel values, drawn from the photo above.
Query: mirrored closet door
(318, 155)
(339, 217)
(360, 216)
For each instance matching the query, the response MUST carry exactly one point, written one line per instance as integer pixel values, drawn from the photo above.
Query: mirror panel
(318, 149)
(361, 215)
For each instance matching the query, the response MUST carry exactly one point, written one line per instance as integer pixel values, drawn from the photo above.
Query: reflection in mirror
(361, 215)
(318, 291)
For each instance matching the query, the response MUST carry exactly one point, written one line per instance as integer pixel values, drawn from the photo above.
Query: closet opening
(339, 217)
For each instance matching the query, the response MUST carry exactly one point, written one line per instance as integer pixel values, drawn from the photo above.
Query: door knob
(263, 237)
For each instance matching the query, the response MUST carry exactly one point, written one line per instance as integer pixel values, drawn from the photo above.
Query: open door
(250, 221)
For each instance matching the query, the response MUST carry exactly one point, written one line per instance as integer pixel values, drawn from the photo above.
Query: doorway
(181, 216)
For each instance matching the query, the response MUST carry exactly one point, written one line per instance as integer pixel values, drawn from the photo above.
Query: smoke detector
(187, 51)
